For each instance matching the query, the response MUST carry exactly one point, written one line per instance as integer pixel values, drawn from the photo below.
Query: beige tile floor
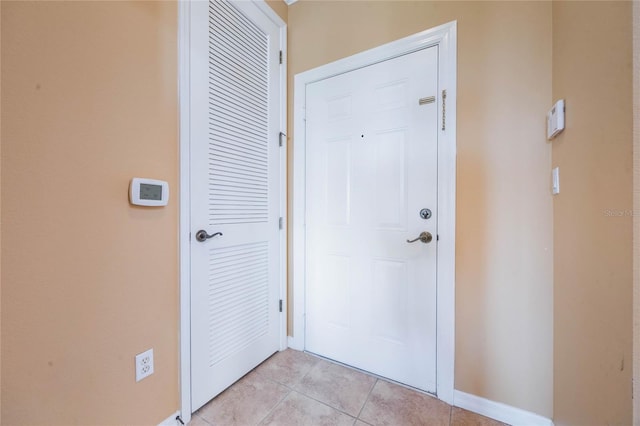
(295, 388)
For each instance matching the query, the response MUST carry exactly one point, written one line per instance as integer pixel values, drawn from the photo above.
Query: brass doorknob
(424, 237)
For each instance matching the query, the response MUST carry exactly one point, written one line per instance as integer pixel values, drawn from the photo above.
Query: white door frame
(444, 37)
(184, 46)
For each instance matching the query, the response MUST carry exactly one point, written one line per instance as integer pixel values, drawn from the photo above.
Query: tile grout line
(367, 400)
(296, 389)
(290, 388)
(274, 408)
(200, 417)
(329, 361)
(296, 386)
(324, 403)
(303, 393)
(311, 368)
(284, 385)
(375, 376)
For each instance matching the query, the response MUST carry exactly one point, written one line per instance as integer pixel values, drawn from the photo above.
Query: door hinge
(281, 136)
(280, 57)
(280, 223)
(280, 305)
(444, 109)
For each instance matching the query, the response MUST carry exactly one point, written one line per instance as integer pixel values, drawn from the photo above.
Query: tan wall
(280, 7)
(592, 249)
(504, 219)
(636, 209)
(0, 216)
(89, 100)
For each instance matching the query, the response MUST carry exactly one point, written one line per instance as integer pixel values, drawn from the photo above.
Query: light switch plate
(555, 181)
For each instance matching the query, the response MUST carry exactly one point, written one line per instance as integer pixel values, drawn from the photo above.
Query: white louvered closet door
(234, 112)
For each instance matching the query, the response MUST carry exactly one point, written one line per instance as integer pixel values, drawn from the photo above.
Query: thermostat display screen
(150, 192)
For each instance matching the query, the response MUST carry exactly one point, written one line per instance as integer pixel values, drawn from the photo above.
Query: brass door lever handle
(202, 235)
(424, 237)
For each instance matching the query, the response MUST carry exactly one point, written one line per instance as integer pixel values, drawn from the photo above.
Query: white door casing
(444, 37)
(232, 181)
(371, 167)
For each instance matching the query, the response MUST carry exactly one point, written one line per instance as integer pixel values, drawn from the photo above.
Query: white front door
(234, 192)
(371, 165)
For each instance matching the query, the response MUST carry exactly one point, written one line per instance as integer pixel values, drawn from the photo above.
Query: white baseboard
(171, 420)
(294, 343)
(498, 411)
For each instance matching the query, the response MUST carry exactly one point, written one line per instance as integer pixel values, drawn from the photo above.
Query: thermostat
(555, 119)
(148, 192)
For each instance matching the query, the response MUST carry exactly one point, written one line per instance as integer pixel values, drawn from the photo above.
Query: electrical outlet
(144, 365)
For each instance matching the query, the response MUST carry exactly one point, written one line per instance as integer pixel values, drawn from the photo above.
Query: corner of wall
(593, 215)
(280, 7)
(636, 211)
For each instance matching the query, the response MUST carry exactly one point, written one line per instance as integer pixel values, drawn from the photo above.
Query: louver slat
(238, 298)
(238, 118)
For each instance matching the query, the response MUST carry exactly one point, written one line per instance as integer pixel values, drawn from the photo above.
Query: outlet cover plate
(144, 364)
